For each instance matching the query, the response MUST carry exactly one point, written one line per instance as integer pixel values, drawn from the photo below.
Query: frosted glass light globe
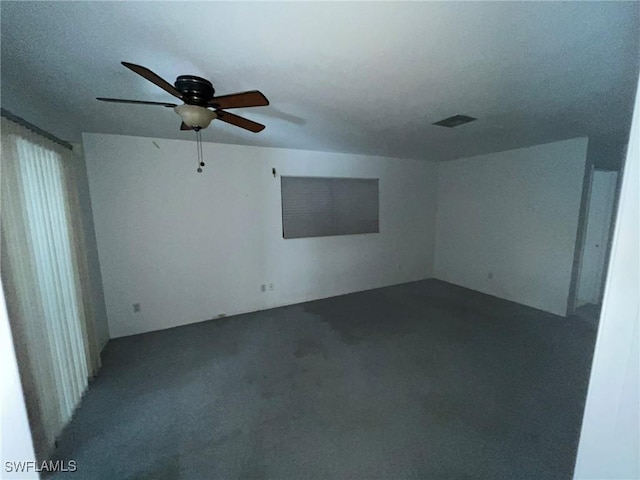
(195, 116)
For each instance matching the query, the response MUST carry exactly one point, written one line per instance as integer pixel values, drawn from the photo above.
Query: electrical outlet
(271, 287)
(263, 287)
(136, 307)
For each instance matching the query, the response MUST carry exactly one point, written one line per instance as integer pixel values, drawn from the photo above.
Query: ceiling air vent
(455, 121)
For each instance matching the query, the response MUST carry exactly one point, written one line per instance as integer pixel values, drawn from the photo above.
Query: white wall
(15, 441)
(189, 247)
(507, 222)
(610, 439)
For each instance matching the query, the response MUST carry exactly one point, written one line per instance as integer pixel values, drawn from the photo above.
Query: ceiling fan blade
(239, 121)
(141, 102)
(153, 78)
(254, 98)
(184, 126)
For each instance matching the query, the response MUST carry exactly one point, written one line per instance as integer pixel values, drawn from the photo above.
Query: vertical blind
(43, 260)
(324, 206)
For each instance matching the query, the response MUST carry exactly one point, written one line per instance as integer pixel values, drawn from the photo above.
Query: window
(321, 206)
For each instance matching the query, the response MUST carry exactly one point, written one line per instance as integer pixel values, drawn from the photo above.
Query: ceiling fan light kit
(194, 116)
(200, 105)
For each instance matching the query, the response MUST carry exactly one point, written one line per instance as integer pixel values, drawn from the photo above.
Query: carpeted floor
(422, 380)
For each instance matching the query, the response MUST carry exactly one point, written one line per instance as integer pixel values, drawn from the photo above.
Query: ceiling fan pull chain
(199, 151)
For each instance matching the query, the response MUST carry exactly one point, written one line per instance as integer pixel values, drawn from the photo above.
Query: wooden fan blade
(153, 78)
(184, 126)
(141, 102)
(254, 98)
(239, 121)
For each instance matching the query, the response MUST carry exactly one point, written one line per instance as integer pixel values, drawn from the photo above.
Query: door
(596, 245)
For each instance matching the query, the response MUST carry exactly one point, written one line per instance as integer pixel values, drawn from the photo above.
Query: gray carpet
(421, 380)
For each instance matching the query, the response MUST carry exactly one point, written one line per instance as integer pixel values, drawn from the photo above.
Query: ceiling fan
(200, 105)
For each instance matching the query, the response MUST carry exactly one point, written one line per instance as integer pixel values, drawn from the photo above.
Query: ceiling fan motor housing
(195, 90)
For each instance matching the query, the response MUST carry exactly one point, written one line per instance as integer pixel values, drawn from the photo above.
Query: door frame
(581, 233)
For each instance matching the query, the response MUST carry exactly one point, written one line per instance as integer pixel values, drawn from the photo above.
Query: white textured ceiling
(349, 77)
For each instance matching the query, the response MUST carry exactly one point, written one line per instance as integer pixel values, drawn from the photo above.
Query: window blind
(325, 206)
(50, 316)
